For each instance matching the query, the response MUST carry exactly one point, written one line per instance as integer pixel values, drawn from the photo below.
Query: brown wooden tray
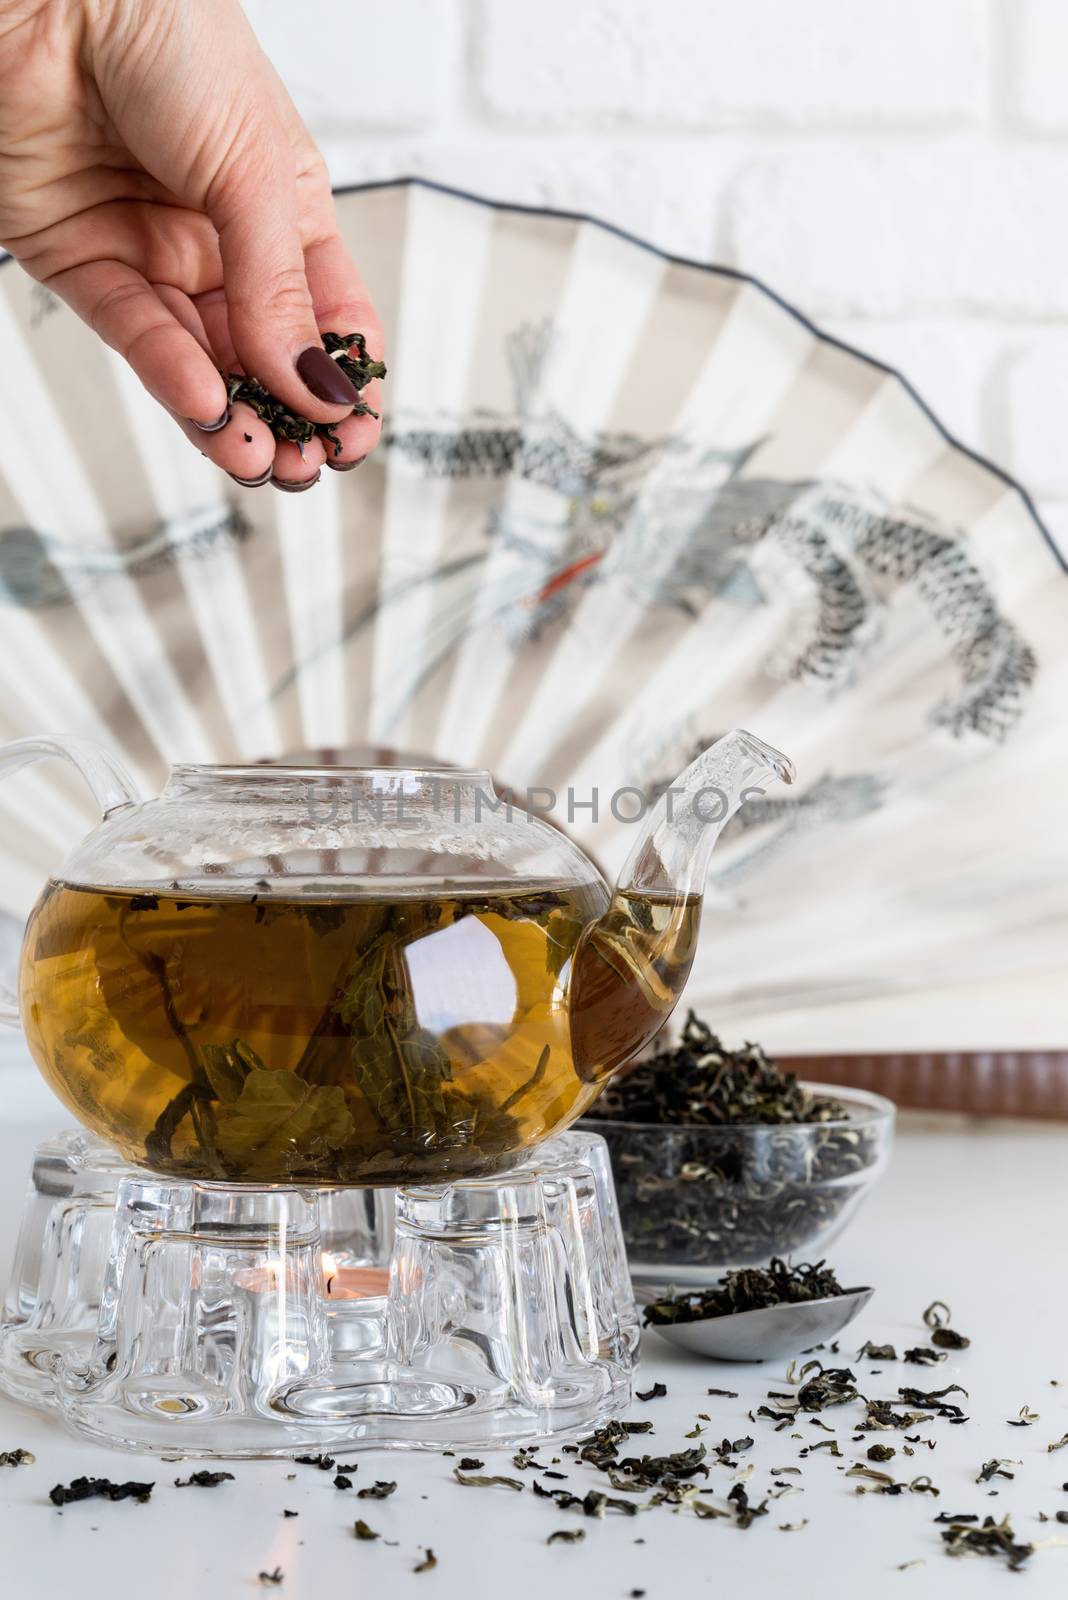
(1002, 1083)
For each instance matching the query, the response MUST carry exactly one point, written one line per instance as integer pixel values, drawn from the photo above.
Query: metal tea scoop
(764, 1335)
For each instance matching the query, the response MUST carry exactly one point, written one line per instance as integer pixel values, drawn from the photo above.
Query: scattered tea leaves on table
(648, 1472)
(880, 1452)
(996, 1469)
(379, 1490)
(934, 1399)
(937, 1317)
(17, 1458)
(745, 1513)
(876, 1352)
(601, 1447)
(473, 1481)
(1025, 1418)
(203, 1480)
(471, 1463)
(593, 1504)
(362, 1531)
(275, 1577)
(566, 1536)
(657, 1392)
(922, 1356)
(342, 1482)
(99, 1489)
(991, 1539)
(428, 1563)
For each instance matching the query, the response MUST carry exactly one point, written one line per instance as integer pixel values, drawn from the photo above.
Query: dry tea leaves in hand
(289, 425)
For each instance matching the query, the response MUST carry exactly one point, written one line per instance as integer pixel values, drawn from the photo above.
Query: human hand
(155, 175)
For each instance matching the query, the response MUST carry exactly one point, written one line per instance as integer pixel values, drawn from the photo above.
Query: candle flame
(329, 1269)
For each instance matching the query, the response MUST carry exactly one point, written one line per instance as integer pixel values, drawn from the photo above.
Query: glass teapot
(332, 975)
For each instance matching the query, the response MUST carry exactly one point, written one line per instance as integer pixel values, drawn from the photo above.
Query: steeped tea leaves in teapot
(354, 975)
(277, 1040)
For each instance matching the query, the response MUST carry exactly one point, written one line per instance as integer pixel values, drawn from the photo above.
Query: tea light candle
(352, 1283)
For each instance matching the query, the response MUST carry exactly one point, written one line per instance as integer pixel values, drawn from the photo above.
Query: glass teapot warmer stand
(215, 1320)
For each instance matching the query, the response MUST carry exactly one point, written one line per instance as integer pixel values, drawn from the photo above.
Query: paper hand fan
(623, 503)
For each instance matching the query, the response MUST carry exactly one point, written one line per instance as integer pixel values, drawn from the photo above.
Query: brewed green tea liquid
(360, 1041)
(322, 1040)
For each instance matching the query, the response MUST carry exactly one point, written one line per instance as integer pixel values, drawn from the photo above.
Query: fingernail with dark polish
(296, 485)
(212, 427)
(345, 466)
(252, 483)
(325, 378)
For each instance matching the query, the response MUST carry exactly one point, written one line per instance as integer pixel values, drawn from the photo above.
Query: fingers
(356, 436)
(127, 313)
(342, 305)
(253, 204)
(244, 447)
(294, 471)
(164, 243)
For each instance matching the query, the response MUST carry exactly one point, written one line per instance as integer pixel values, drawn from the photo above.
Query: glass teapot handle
(111, 784)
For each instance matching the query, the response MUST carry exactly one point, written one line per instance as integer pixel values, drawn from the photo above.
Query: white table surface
(973, 1214)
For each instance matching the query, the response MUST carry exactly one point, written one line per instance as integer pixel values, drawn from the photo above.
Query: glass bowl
(696, 1201)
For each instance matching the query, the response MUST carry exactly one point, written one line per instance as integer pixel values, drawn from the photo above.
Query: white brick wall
(897, 168)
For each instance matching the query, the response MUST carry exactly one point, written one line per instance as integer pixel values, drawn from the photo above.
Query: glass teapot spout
(631, 965)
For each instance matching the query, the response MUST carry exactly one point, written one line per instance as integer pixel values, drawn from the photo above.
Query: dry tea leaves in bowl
(721, 1157)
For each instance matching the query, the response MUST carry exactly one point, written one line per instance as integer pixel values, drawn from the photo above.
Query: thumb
(252, 203)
